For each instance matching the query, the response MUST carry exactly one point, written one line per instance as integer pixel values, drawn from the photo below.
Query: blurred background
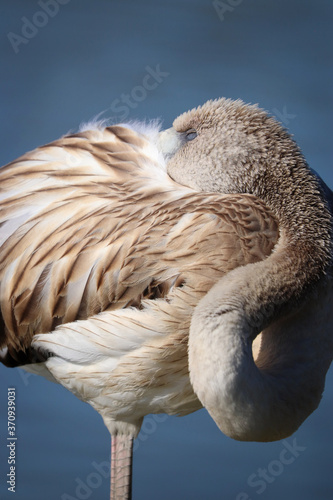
(64, 62)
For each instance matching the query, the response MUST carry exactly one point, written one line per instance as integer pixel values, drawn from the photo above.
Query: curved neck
(269, 399)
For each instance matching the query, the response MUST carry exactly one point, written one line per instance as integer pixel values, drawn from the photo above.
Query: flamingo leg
(121, 467)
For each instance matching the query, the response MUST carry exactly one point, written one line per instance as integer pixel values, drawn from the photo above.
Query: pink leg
(121, 467)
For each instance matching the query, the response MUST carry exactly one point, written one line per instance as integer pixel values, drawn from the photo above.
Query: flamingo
(140, 267)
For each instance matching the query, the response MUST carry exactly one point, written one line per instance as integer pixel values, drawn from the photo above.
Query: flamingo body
(87, 246)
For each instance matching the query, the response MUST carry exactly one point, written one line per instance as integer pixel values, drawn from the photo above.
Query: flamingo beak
(169, 142)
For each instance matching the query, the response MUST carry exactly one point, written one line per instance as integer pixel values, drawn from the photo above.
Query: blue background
(79, 63)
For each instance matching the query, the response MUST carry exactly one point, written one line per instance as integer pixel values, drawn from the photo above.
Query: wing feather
(90, 223)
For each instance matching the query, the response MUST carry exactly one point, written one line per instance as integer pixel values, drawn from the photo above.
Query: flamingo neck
(269, 399)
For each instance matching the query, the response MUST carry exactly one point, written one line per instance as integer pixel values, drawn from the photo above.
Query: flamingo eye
(190, 134)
